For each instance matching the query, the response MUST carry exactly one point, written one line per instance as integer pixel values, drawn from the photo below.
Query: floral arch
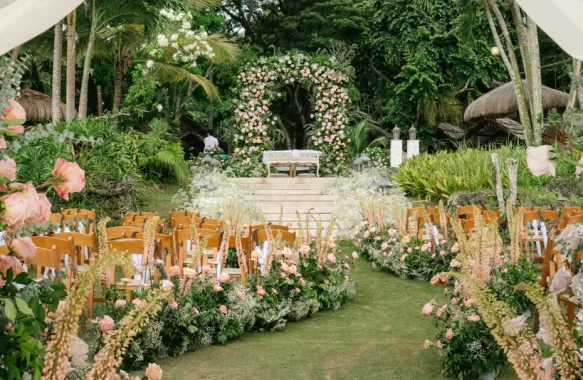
(259, 86)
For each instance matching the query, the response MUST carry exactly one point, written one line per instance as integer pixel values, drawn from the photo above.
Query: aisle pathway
(378, 335)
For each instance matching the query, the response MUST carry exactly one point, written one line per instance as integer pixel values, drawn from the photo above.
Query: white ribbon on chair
(543, 228)
(263, 259)
(536, 233)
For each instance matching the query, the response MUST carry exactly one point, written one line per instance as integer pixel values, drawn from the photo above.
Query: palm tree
(360, 138)
(56, 82)
(71, 64)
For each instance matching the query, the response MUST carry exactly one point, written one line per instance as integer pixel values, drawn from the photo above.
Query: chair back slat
(132, 246)
(122, 232)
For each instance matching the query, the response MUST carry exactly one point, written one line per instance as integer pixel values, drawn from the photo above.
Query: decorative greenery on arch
(258, 86)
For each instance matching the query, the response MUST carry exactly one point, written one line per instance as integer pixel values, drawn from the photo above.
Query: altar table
(293, 158)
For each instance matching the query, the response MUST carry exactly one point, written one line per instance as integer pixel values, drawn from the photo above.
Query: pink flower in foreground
(189, 273)
(11, 262)
(44, 211)
(428, 308)
(106, 324)
(285, 267)
(154, 372)
(539, 162)
(8, 168)
(474, 318)
(260, 291)
(205, 268)
(120, 303)
(223, 309)
(15, 209)
(138, 303)
(561, 281)
(449, 334)
(469, 302)
(24, 248)
(14, 111)
(175, 270)
(71, 177)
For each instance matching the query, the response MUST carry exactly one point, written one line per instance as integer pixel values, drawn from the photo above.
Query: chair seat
(232, 271)
(132, 284)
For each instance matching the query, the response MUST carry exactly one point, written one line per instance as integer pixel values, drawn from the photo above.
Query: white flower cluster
(182, 44)
(260, 87)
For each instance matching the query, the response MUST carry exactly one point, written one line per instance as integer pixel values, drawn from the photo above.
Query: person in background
(210, 141)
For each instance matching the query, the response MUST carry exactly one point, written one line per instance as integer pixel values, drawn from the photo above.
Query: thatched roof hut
(502, 102)
(37, 105)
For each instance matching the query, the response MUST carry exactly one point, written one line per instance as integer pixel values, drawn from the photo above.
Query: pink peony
(174, 305)
(454, 301)
(154, 372)
(166, 285)
(354, 255)
(305, 249)
(113, 376)
(428, 308)
(8, 168)
(561, 281)
(332, 258)
(224, 278)
(449, 334)
(71, 177)
(175, 270)
(260, 290)
(538, 160)
(24, 248)
(474, 318)
(282, 274)
(11, 262)
(15, 209)
(223, 309)
(146, 286)
(217, 288)
(106, 324)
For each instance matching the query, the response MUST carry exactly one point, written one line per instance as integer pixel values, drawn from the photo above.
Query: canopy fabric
(23, 20)
(560, 20)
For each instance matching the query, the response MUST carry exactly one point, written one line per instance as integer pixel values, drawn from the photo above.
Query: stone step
(289, 209)
(290, 198)
(286, 192)
(284, 186)
(286, 180)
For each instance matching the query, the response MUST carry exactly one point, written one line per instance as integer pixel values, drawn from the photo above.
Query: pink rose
(174, 305)
(8, 168)
(224, 278)
(113, 376)
(217, 288)
(297, 290)
(402, 259)
(154, 372)
(34, 212)
(14, 111)
(205, 269)
(239, 294)
(409, 250)
(72, 178)
(302, 282)
(106, 324)
(454, 301)
(455, 264)
(24, 248)
(438, 279)
(166, 285)
(441, 310)
(2, 143)
(561, 281)
(474, 318)
(175, 270)
(331, 258)
(145, 286)
(469, 302)
(438, 344)
(354, 255)
(449, 334)
(11, 262)
(305, 249)
(282, 274)
(195, 311)
(15, 209)
(538, 161)
(44, 212)
(426, 344)
(223, 309)
(260, 290)
(285, 267)
(428, 308)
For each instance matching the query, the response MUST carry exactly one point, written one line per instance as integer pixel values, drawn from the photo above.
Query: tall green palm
(360, 138)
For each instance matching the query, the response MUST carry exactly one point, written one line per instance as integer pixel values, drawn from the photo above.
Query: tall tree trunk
(575, 85)
(511, 64)
(535, 83)
(57, 75)
(85, 80)
(211, 106)
(117, 85)
(8, 75)
(71, 65)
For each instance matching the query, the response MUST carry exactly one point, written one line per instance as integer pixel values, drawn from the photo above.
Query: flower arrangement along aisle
(292, 281)
(496, 292)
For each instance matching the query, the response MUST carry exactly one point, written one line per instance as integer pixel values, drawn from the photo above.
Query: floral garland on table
(259, 86)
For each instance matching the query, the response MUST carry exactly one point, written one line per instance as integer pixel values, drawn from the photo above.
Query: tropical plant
(360, 138)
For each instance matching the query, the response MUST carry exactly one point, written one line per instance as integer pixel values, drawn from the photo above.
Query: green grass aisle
(379, 334)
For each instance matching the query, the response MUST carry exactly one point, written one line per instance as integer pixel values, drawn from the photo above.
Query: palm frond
(168, 73)
(224, 49)
(197, 5)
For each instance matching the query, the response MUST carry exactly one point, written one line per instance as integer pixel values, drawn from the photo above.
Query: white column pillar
(396, 153)
(412, 148)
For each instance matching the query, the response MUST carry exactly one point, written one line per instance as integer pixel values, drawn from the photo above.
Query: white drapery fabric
(559, 19)
(22, 20)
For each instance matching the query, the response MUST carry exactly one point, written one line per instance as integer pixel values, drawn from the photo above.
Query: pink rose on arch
(71, 176)
(8, 168)
(24, 248)
(106, 324)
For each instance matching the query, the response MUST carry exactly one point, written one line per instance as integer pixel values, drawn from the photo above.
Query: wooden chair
(491, 215)
(46, 258)
(122, 232)
(64, 247)
(285, 236)
(68, 219)
(574, 219)
(131, 247)
(468, 226)
(568, 212)
(142, 213)
(237, 272)
(213, 243)
(180, 214)
(467, 212)
(160, 226)
(165, 249)
(83, 243)
(184, 221)
(90, 215)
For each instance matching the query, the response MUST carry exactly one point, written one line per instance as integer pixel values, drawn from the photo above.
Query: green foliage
(441, 174)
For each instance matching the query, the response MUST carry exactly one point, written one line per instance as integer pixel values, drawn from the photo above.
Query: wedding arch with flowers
(258, 86)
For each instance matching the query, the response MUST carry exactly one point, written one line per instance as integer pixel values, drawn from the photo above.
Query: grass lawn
(158, 197)
(377, 335)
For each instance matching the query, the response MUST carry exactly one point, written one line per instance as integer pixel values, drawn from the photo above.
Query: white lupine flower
(174, 45)
(174, 37)
(150, 64)
(186, 25)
